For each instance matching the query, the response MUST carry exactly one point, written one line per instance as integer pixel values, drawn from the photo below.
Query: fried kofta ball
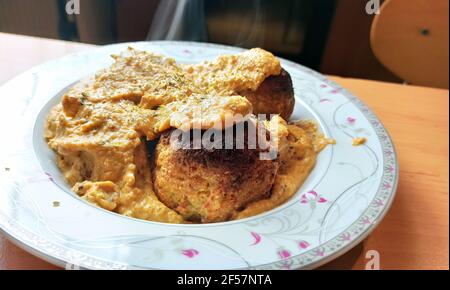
(274, 96)
(210, 185)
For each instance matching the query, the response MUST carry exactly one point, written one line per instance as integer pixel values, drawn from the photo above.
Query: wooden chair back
(410, 38)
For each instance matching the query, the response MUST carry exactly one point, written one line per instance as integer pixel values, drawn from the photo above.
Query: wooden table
(413, 235)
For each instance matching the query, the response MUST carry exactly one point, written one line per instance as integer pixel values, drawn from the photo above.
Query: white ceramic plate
(344, 198)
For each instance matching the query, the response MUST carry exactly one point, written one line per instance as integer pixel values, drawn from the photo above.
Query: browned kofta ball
(274, 96)
(210, 185)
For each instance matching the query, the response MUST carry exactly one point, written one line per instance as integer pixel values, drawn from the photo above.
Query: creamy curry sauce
(98, 129)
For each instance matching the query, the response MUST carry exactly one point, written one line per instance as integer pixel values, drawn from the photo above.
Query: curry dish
(111, 137)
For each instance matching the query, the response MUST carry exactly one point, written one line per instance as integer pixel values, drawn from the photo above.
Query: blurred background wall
(331, 36)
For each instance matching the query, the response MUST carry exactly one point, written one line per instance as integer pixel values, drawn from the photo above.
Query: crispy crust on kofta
(210, 185)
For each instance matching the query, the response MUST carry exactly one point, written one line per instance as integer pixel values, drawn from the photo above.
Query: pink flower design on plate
(319, 252)
(390, 168)
(323, 86)
(190, 253)
(284, 254)
(257, 238)
(324, 100)
(303, 245)
(365, 220)
(378, 203)
(351, 120)
(335, 91)
(345, 237)
(386, 185)
(312, 198)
